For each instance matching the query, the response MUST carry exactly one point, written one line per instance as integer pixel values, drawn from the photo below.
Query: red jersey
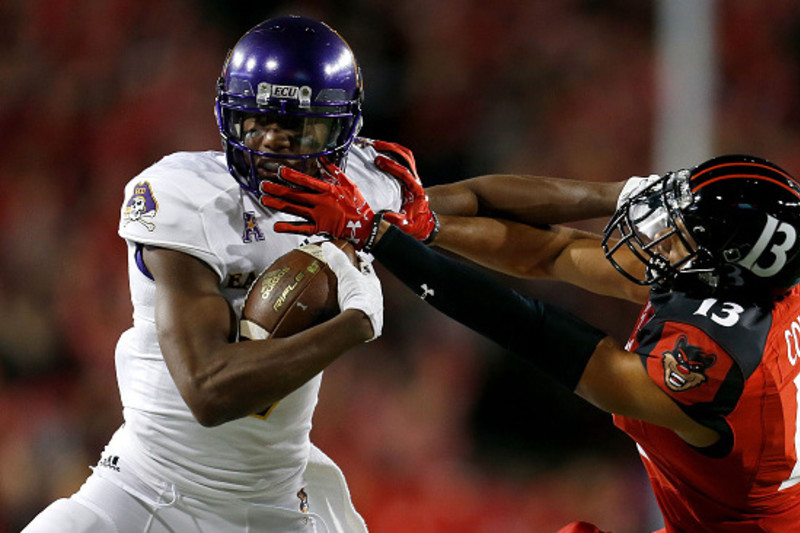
(734, 367)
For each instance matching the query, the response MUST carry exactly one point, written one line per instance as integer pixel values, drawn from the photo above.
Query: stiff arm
(575, 354)
(503, 222)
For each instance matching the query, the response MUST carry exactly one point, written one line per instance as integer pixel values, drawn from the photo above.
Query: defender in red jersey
(719, 336)
(718, 249)
(708, 383)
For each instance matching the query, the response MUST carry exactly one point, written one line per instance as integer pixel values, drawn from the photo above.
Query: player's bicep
(528, 199)
(616, 381)
(582, 262)
(453, 199)
(192, 316)
(509, 247)
(557, 252)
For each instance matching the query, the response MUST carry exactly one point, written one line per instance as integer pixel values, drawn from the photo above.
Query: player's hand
(332, 206)
(415, 217)
(641, 196)
(634, 185)
(357, 289)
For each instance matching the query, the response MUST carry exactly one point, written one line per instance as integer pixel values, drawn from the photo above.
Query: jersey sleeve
(381, 190)
(691, 367)
(157, 212)
(698, 374)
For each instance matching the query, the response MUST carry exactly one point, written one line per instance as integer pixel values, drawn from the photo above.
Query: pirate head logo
(141, 207)
(685, 366)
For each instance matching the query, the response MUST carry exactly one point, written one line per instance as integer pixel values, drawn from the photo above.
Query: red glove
(334, 207)
(415, 217)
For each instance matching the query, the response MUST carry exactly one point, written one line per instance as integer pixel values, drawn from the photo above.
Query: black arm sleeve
(552, 339)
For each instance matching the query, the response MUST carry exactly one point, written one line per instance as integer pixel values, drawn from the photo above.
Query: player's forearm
(555, 341)
(556, 252)
(509, 247)
(525, 198)
(244, 378)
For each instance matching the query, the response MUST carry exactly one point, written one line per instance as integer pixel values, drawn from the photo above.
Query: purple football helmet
(296, 75)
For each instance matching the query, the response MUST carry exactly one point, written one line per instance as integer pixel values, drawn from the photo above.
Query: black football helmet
(738, 216)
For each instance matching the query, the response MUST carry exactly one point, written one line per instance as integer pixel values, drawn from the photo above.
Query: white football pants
(102, 506)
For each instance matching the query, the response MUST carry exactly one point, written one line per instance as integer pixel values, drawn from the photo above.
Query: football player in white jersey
(216, 432)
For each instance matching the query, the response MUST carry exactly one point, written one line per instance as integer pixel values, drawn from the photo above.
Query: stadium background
(436, 429)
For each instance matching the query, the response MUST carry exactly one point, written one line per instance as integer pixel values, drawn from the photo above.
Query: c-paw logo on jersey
(685, 365)
(141, 207)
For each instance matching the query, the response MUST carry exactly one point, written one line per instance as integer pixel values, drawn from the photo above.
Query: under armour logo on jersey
(251, 229)
(109, 461)
(426, 291)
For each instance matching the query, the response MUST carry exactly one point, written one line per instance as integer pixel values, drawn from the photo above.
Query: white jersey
(189, 202)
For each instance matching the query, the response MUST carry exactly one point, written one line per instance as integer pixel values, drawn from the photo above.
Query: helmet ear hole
(732, 255)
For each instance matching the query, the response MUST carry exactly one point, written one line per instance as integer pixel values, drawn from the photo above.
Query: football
(295, 292)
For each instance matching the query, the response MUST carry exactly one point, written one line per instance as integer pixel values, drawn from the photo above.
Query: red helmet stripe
(750, 176)
(746, 164)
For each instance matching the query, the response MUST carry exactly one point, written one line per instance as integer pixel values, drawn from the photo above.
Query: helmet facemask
(650, 225)
(735, 218)
(305, 136)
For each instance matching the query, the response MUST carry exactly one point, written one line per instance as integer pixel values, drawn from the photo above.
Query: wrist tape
(557, 342)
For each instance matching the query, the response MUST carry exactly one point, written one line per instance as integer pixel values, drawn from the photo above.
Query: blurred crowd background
(436, 429)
